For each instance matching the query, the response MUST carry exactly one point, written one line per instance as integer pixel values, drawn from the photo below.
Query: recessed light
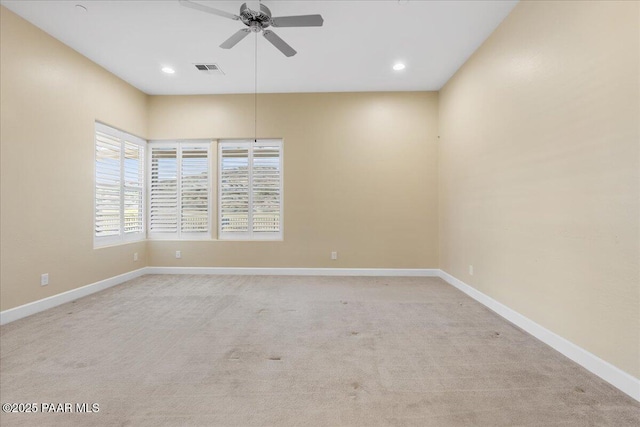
(168, 70)
(399, 66)
(80, 8)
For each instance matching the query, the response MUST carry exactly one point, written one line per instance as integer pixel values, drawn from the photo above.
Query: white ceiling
(353, 51)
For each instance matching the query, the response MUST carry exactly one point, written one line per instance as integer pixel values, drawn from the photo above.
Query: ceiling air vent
(209, 68)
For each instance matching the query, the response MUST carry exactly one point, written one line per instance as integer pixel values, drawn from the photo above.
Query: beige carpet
(294, 351)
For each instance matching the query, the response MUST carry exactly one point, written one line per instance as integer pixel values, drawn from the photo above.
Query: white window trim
(122, 237)
(178, 143)
(249, 235)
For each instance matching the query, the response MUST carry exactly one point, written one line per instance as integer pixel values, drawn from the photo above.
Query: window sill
(115, 244)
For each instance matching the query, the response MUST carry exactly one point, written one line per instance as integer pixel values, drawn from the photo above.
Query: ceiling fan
(258, 21)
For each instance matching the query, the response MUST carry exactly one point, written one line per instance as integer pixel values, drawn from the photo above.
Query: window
(250, 190)
(179, 190)
(119, 187)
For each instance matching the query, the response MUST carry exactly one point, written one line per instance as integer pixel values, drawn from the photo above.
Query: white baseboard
(407, 272)
(615, 376)
(25, 310)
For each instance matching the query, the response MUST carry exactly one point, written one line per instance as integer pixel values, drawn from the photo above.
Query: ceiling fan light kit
(257, 21)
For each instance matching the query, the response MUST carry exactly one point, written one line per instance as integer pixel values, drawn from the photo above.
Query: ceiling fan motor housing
(255, 20)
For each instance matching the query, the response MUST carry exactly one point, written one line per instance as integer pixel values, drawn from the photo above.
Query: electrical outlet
(44, 279)
(334, 255)
(470, 270)
(135, 256)
(178, 254)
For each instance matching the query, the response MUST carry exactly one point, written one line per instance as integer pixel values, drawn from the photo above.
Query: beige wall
(539, 172)
(50, 97)
(360, 177)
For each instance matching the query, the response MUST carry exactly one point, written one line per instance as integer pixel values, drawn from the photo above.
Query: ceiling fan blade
(298, 21)
(235, 38)
(279, 43)
(203, 8)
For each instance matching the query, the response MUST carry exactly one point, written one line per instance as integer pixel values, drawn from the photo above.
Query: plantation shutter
(133, 188)
(234, 189)
(179, 193)
(119, 186)
(108, 188)
(250, 189)
(194, 189)
(163, 195)
(265, 182)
